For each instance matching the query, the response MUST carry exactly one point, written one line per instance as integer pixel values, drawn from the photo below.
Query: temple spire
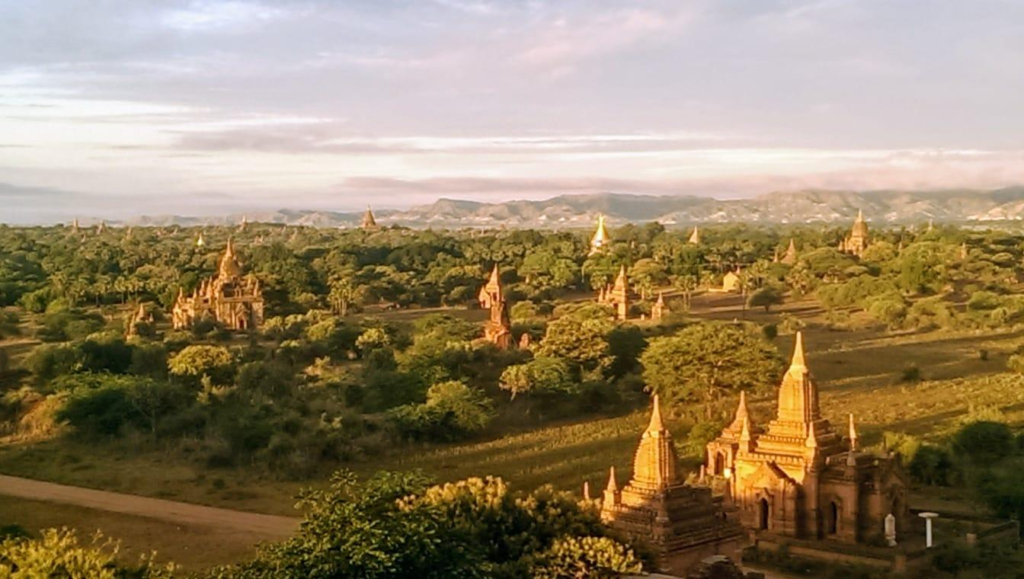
(853, 434)
(656, 424)
(612, 484)
(601, 237)
(812, 438)
(799, 362)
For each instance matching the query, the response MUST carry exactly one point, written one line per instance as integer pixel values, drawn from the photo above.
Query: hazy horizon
(207, 108)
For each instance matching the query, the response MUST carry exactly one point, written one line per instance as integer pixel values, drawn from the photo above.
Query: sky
(117, 108)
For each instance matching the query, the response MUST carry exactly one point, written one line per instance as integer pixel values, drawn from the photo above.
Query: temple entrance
(762, 515)
(719, 463)
(833, 519)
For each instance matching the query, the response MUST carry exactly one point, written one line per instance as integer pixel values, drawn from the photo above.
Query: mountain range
(566, 211)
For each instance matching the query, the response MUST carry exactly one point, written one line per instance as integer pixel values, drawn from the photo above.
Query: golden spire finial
(798, 354)
(745, 430)
(853, 434)
(586, 490)
(612, 484)
(656, 424)
(812, 438)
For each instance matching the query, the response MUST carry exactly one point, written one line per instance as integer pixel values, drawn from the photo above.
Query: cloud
(219, 15)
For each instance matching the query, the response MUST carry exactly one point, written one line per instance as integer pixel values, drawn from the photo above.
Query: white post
(890, 529)
(928, 527)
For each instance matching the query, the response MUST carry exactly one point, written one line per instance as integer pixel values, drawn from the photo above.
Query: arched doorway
(833, 518)
(719, 463)
(763, 514)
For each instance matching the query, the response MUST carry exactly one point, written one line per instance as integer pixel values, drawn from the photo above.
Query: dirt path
(269, 526)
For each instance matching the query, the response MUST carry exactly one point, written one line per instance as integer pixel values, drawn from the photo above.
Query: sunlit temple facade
(859, 238)
(681, 523)
(229, 298)
(799, 478)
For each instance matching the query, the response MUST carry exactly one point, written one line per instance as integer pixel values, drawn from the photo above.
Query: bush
(931, 465)
(983, 443)
(452, 411)
(1015, 363)
(194, 362)
(910, 373)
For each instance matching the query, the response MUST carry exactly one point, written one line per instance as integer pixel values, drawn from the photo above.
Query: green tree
(395, 526)
(541, 376)
(765, 297)
(581, 341)
(194, 362)
(706, 361)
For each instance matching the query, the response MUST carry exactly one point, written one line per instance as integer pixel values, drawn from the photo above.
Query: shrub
(452, 410)
(931, 465)
(1015, 363)
(910, 373)
(983, 443)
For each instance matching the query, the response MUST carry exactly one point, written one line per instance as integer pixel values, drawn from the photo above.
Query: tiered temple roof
(681, 523)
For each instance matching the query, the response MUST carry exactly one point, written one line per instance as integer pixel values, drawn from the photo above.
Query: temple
(682, 524)
(601, 239)
(858, 240)
(659, 309)
(369, 222)
(498, 329)
(617, 296)
(695, 236)
(227, 298)
(791, 256)
(731, 281)
(798, 478)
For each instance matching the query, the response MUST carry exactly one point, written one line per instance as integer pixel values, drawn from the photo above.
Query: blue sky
(119, 108)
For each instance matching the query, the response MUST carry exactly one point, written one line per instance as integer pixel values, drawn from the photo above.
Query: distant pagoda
(601, 239)
(498, 329)
(369, 222)
(859, 238)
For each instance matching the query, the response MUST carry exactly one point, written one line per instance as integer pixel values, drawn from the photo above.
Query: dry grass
(193, 548)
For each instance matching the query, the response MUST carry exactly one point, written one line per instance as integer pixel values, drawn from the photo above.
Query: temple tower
(498, 329)
(369, 222)
(601, 239)
(791, 255)
(858, 240)
(619, 296)
(682, 524)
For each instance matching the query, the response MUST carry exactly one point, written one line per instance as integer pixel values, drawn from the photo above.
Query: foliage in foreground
(58, 554)
(396, 526)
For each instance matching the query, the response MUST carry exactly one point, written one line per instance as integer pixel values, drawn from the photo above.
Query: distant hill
(961, 206)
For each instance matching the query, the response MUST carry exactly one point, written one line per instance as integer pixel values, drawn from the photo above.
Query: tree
(581, 341)
(983, 443)
(705, 361)
(541, 376)
(194, 362)
(765, 297)
(395, 526)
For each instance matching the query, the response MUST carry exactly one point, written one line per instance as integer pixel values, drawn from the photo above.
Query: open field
(192, 547)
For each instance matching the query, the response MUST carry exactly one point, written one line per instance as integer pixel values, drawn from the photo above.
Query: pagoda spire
(601, 238)
(613, 486)
(853, 434)
(798, 396)
(656, 464)
(742, 412)
(656, 424)
(799, 361)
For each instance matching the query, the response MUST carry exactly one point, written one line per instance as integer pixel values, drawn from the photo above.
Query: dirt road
(269, 526)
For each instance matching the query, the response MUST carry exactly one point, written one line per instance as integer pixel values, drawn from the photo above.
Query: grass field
(858, 371)
(191, 547)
